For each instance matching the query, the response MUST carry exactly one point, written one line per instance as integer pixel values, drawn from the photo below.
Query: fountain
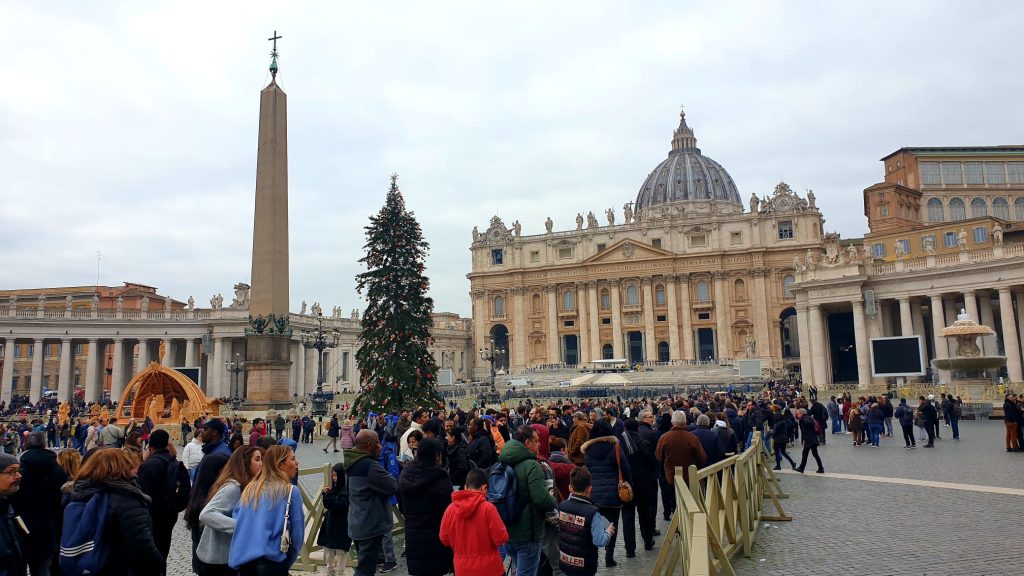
(969, 367)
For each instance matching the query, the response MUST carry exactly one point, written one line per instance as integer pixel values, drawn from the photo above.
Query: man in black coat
(820, 413)
(38, 503)
(638, 445)
(929, 417)
(152, 479)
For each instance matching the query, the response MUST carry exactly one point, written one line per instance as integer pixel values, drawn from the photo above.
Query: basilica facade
(689, 271)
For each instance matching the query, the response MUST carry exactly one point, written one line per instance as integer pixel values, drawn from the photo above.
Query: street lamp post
(491, 355)
(320, 341)
(236, 367)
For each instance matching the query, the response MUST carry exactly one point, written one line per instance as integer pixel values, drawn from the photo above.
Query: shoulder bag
(286, 537)
(625, 489)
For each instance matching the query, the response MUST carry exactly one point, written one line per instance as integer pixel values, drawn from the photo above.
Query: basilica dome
(687, 175)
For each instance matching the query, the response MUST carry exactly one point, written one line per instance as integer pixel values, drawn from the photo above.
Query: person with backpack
(165, 480)
(522, 498)
(279, 427)
(425, 491)
(333, 432)
(334, 531)
(473, 529)
(370, 488)
(218, 524)
(269, 518)
(107, 524)
(112, 435)
(583, 529)
(38, 503)
(905, 416)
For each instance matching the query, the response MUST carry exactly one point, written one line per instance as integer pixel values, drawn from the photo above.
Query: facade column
(584, 315)
(939, 344)
(988, 343)
(804, 341)
(480, 315)
(949, 305)
(293, 370)
(917, 318)
(1019, 293)
(217, 372)
(860, 334)
(595, 321)
(687, 352)
(761, 318)
(617, 351)
(300, 369)
(821, 376)
(117, 371)
(7, 385)
(723, 341)
(1011, 343)
(650, 342)
(906, 320)
(93, 391)
(518, 361)
(971, 305)
(36, 386)
(65, 377)
(190, 353)
(553, 344)
(168, 359)
(673, 318)
(143, 357)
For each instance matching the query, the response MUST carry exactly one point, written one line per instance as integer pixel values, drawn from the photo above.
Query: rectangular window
(951, 173)
(569, 323)
(995, 173)
(534, 255)
(497, 257)
(786, 230)
(662, 318)
(600, 248)
(930, 173)
(656, 242)
(606, 321)
(735, 237)
(78, 349)
(698, 241)
(972, 173)
(949, 239)
(878, 250)
(1015, 172)
(980, 235)
(703, 315)
(565, 253)
(31, 349)
(19, 351)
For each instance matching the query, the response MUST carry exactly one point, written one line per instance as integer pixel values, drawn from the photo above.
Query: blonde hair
(272, 480)
(70, 461)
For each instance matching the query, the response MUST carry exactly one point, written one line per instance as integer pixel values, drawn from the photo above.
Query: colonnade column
(7, 385)
(987, 317)
(300, 369)
(1020, 312)
(143, 356)
(92, 387)
(951, 313)
(723, 341)
(860, 334)
(617, 352)
(673, 318)
(906, 320)
(1011, 343)
(804, 341)
(971, 305)
(65, 383)
(818, 358)
(686, 327)
(168, 358)
(117, 371)
(584, 315)
(36, 389)
(761, 319)
(553, 344)
(215, 378)
(518, 359)
(916, 317)
(190, 353)
(650, 342)
(938, 323)
(480, 315)
(595, 326)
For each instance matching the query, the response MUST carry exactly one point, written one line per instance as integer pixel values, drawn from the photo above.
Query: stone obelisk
(268, 338)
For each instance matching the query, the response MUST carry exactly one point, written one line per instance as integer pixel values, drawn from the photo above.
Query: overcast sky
(130, 128)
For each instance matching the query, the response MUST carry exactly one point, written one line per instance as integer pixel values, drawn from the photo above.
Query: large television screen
(898, 356)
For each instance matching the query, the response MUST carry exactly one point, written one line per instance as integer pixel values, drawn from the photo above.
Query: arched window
(606, 300)
(567, 300)
(659, 295)
(936, 212)
(739, 289)
(1001, 208)
(538, 306)
(1018, 209)
(499, 306)
(632, 295)
(703, 295)
(957, 209)
(979, 207)
(606, 352)
(662, 351)
(787, 284)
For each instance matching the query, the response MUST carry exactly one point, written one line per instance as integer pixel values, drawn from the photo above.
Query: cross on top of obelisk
(273, 54)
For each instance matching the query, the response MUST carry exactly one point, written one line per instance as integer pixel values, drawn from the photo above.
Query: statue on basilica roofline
(810, 200)
(302, 310)
(145, 304)
(119, 303)
(961, 240)
(579, 221)
(167, 304)
(798, 265)
(928, 242)
(851, 254)
(95, 305)
(610, 214)
(191, 303)
(517, 228)
(755, 203)
(592, 220)
(897, 249)
(997, 234)
(549, 225)
(476, 234)
(627, 212)
(67, 302)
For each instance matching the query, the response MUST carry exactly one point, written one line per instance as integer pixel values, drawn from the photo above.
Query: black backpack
(176, 488)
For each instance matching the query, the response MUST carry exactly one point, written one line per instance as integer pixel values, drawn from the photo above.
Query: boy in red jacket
(473, 530)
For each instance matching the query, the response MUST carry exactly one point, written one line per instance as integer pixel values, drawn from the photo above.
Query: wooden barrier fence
(718, 513)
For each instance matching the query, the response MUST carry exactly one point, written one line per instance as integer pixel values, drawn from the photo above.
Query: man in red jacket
(472, 528)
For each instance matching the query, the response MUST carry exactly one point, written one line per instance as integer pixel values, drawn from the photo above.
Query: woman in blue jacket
(269, 505)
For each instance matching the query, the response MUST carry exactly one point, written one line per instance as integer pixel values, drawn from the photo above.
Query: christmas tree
(395, 365)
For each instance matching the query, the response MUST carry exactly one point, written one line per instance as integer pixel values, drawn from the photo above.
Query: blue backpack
(82, 549)
(503, 492)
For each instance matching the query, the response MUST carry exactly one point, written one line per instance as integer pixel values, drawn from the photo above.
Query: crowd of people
(548, 489)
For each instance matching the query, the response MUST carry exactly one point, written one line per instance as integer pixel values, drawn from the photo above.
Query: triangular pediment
(627, 250)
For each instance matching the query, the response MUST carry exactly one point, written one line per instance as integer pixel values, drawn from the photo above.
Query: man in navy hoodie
(215, 456)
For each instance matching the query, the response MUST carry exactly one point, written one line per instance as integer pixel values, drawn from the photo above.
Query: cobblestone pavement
(849, 526)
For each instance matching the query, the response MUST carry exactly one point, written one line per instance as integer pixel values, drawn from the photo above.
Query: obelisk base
(267, 373)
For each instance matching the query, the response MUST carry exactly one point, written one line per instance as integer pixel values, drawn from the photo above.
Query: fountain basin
(970, 364)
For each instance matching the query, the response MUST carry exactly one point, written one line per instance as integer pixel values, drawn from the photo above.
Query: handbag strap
(287, 510)
(618, 462)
